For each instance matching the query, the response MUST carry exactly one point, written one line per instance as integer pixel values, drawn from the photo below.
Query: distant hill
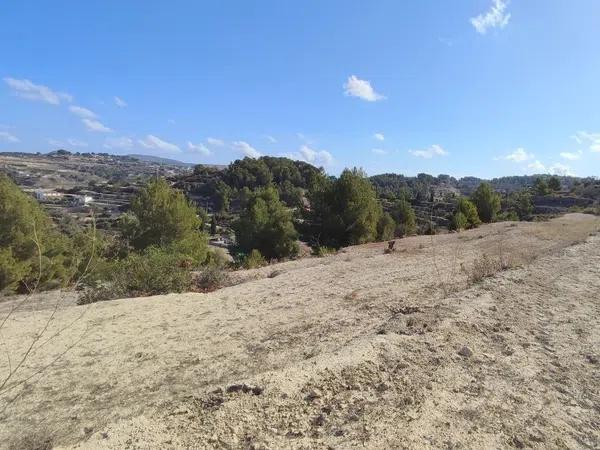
(159, 160)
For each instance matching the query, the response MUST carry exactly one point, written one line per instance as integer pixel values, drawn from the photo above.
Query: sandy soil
(360, 349)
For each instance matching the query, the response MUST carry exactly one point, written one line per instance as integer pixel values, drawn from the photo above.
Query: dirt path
(360, 349)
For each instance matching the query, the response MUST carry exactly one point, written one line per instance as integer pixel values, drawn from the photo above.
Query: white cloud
(214, 141)
(246, 149)
(537, 166)
(95, 125)
(5, 136)
(120, 102)
(37, 92)
(592, 139)
(270, 138)
(68, 143)
(379, 151)
(355, 87)
(434, 150)
(561, 169)
(317, 157)
(198, 148)
(496, 17)
(379, 136)
(123, 143)
(156, 143)
(572, 156)
(82, 112)
(519, 155)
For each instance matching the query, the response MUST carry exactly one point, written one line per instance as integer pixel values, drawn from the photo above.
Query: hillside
(357, 350)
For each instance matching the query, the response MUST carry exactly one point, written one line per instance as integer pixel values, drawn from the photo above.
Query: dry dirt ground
(357, 350)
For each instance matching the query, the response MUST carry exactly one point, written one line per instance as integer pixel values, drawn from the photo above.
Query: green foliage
(520, 203)
(162, 217)
(404, 216)
(540, 186)
(222, 196)
(152, 272)
(213, 225)
(266, 225)
(33, 251)
(344, 211)
(507, 216)
(459, 221)
(386, 227)
(469, 211)
(487, 202)
(323, 251)
(248, 172)
(554, 184)
(254, 260)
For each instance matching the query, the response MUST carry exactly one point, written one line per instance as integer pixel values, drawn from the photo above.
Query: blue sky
(468, 87)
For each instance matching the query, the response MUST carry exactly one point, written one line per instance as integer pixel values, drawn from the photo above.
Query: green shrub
(155, 271)
(459, 221)
(266, 226)
(323, 251)
(469, 210)
(487, 202)
(254, 260)
(404, 215)
(386, 227)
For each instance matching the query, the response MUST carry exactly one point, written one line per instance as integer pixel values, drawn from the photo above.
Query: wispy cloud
(120, 102)
(68, 143)
(537, 166)
(155, 143)
(270, 138)
(355, 87)
(561, 169)
(82, 112)
(379, 136)
(123, 143)
(312, 156)
(198, 148)
(572, 156)
(591, 139)
(95, 125)
(26, 89)
(5, 136)
(555, 169)
(246, 149)
(495, 17)
(214, 141)
(379, 151)
(519, 155)
(434, 150)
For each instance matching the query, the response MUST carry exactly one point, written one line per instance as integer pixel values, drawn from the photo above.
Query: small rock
(313, 395)
(592, 359)
(465, 351)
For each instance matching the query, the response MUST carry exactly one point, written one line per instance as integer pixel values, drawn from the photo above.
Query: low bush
(153, 272)
(211, 278)
(323, 251)
(254, 260)
(486, 267)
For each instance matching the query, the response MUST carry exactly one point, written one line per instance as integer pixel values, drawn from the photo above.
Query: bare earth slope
(360, 349)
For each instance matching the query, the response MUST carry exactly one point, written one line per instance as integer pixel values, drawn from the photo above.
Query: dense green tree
(344, 211)
(266, 225)
(386, 227)
(248, 172)
(487, 202)
(540, 186)
(465, 207)
(459, 221)
(554, 184)
(222, 196)
(404, 215)
(33, 252)
(519, 202)
(161, 216)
